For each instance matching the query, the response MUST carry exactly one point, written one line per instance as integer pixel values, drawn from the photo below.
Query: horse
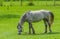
(36, 16)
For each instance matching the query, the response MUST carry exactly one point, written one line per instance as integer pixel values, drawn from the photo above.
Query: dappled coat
(38, 15)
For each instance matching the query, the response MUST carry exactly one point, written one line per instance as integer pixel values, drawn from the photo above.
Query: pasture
(9, 18)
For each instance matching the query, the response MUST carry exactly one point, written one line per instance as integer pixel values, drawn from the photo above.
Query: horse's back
(37, 15)
(40, 12)
(37, 11)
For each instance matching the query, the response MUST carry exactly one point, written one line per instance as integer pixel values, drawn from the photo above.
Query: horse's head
(19, 27)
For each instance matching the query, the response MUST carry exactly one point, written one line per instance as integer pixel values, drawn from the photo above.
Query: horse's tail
(51, 17)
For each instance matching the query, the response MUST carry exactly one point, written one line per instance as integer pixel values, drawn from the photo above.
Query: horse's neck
(22, 20)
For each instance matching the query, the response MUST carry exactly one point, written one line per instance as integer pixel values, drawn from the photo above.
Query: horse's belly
(36, 19)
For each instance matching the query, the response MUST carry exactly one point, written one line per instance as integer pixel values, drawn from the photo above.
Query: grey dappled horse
(36, 16)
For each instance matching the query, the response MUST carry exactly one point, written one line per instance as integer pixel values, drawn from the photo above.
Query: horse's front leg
(32, 29)
(30, 26)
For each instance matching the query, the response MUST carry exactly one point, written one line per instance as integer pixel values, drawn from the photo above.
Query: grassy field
(25, 3)
(9, 18)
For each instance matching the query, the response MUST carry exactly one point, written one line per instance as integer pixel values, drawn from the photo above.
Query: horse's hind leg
(49, 27)
(45, 26)
(30, 26)
(49, 24)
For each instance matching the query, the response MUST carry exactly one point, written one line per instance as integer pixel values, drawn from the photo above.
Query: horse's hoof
(50, 32)
(45, 32)
(29, 33)
(33, 33)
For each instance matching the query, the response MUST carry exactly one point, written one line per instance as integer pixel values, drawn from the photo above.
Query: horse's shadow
(42, 33)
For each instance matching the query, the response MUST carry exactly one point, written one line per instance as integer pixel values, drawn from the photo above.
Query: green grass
(10, 17)
(25, 3)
